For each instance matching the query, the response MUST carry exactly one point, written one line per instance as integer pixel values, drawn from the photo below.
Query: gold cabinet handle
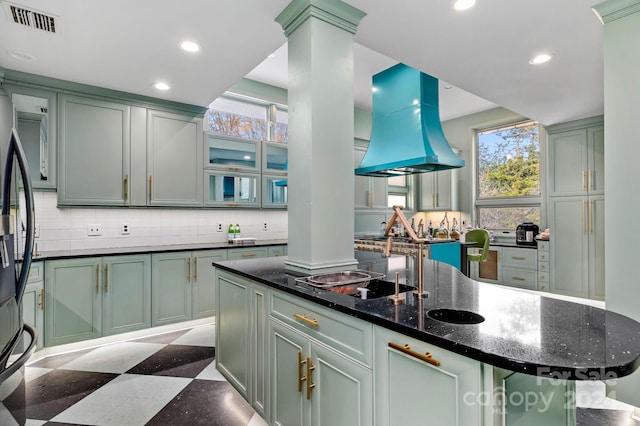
(252, 254)
(301, 378)
(150, 186)
(518, 279)
(584, 222)
(517, 257)
(234, 168)
(304, 318)
(591, 180)
(188, 269)
(42, 299)
(126, 188)
(98, 279)
(310, 385)
(234, 204)
(195, 269)
(584, 188)
(407, 350)
(106, 278)
(591, 216)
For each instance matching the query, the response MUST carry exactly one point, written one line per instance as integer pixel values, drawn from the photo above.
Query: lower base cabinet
(311, 384)
(411, 391)
(91, 297)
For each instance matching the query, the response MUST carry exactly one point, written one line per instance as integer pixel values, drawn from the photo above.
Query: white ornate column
(321, 176)
(621, 158)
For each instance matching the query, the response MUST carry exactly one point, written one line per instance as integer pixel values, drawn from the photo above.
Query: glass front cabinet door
(274, 192)
(232, 154)
(232, 189)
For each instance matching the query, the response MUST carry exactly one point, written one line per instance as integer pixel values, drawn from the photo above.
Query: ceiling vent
(30, 18)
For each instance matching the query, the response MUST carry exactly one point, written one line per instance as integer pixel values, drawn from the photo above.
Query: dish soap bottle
(231, 232)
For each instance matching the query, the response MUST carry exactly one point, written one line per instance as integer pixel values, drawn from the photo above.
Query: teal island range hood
(406, 134)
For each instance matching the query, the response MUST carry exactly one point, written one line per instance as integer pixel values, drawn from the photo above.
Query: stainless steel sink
(455, 316)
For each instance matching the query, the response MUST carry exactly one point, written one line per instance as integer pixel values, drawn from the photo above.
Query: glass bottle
(231, 232)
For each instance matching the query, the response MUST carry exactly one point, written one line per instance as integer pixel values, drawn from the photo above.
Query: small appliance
(526, 233)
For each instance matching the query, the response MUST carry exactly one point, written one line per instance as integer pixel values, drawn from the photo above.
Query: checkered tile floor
(169, 379)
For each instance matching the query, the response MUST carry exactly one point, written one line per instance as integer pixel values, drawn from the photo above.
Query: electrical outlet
(124, 229)
(94, 230)
(219, 227)
(265, 226)
(36, 233)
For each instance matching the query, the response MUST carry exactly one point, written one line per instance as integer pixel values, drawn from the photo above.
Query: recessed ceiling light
(190, 46)
(21, 56)
(540, 59)
(374, 89)
(447, 86)
(271, 55)
(463, 4)
(161, 85)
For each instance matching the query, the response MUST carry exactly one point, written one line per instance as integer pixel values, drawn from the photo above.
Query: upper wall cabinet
(232, 154)
(36, 121)
(576, 160)
(174, 159)
(439, 190)
(94, 142)
(274, 157)
(370, 192)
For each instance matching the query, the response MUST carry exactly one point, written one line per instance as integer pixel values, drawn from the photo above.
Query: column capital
(610, 10)
(334, 12)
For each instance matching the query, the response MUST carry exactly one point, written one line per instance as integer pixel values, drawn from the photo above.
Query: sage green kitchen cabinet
(241, 337)
(412, 391)
(247, 253)
(229, 189)
(73, 300)
(576, 158)
(489, 271)
(232, 154)
(94, 156)
(126, 293)
(312, 384)
(370, 192)
(277, 251)
(520, 267)
(275, 193)
(92, 297)
(174, 159)
(203, 281)
(33, 301)
(182, 285)
(437, 191)
(577, 246)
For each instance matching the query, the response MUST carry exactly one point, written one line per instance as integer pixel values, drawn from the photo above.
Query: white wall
(66, 228)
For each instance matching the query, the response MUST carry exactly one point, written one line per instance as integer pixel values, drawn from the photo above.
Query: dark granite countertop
(114, 251)
(522, 332)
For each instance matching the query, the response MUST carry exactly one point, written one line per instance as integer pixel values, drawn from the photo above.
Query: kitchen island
(549, 340)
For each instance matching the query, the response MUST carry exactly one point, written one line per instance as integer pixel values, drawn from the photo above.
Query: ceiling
(482, 52)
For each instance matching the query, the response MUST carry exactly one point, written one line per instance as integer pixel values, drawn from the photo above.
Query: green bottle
(231, 233)
(237, 229)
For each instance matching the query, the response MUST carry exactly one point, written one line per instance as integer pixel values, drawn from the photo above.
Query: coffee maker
(526, 233)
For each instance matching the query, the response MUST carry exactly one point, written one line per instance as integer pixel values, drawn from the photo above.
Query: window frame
(524, 201)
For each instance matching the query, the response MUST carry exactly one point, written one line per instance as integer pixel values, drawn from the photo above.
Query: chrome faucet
(399, 216)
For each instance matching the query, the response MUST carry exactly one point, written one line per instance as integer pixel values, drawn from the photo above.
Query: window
(397, 192)
(508, 179)
(248, 119)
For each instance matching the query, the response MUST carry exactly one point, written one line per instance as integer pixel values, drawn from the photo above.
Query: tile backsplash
(66, 228)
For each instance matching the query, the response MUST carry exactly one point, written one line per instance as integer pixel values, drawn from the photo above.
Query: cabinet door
(170, 288)
(233, 349)
(260, 352)
(247, 253)
(361, 183)
(436, 191)
(203, 281)
(33, 308)
(568, 157)
(93, 152)
(489, 271)
(569, 220)
(174, 159)
(596, 247)
(343, 391)
(72, 300)
(427, 200)
(404, 382)
(126, 300)
(289, 406)
(595, 177)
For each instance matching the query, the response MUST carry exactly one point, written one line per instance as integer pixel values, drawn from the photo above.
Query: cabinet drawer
(277, 251)
(543, 286)
(344, 333)
(543, 245)
(519, 278)
(36, 272)
(543, 266)
(543, 276)
(247, 253)
(520, 258)
(543, 256)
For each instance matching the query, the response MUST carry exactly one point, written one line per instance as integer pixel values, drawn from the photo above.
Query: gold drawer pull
(98, 279)
(235, 169)
(518, 279)
(126, 188)
(195, 269)
(248, 254)
(310, 385)
(517, 258)
(304, 318)
(188, 269)
(150, 187)
(301, 378)
(407, 350)
(42, 299)
(106, 278)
